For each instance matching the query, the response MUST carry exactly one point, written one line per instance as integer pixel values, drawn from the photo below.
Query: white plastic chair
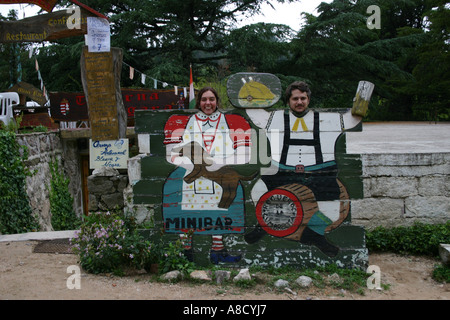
(8, 100)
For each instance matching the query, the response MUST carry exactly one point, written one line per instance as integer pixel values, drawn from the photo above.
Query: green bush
(172, 258)
(441, 273)
(61, 201)
(15, 210)
(419, 239)
(108, 243)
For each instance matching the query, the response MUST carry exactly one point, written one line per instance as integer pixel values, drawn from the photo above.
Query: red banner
(69, 106)
(47, 5)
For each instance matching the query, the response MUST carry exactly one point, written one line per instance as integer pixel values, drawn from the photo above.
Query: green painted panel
(280, 206)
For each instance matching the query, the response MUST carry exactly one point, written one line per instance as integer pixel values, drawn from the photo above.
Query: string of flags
(43, 89)
(143, 79)
(156, 83)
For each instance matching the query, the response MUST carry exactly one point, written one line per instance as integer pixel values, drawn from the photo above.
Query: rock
(222, 275)
(334, 278)
(200, 275)
(105, 172)
(171, 275)
(444, 253)
(244, 274)
(113, 200)
(280, 283)
(290, 291)
(304, 281)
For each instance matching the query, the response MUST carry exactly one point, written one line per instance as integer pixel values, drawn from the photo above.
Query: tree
(336, 49)
(162, 38)
(432, 71)
(259, 47)
(12, 58)
(59, 64)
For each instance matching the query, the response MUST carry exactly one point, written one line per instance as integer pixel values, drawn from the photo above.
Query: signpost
(98, 82)
(109, 153)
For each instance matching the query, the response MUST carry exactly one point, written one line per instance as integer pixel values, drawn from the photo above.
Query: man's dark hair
(297, 85)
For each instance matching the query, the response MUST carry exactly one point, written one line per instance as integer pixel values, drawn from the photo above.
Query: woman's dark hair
(200, 94)
(297, 85)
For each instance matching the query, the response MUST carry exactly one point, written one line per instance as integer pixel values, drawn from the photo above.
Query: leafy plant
(441, 273)
(173, 258)
(107, 243)
(421, 239)
(15, 210)
(61, 201)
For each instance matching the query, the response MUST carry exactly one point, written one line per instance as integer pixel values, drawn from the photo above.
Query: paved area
(400, 137)
(37, 236)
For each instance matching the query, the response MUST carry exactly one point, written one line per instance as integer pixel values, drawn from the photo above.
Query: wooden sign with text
(100, 92)
(30, 91)
(71, 106)
(44, 27)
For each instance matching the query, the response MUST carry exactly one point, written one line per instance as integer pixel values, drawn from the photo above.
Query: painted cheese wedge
(253, 90)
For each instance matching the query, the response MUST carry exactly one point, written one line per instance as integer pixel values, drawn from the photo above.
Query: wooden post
(100, 75)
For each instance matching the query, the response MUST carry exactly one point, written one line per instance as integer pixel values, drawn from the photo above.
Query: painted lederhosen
(194, 206)
(320, 177)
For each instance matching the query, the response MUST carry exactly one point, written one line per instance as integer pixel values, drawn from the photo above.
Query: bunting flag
(43, 89)
(191, 91)
(143, 78)
(131, 73)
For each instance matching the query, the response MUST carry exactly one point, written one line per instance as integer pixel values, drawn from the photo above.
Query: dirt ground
(25, 275)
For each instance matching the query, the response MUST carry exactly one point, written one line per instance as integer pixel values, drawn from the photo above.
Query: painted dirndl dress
(194, 206)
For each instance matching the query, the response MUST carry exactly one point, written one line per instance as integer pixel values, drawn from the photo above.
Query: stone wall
(42, 149)
(106, 190)
(400, 189)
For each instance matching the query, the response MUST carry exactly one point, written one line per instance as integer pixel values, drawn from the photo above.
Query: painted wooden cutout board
(255, 186)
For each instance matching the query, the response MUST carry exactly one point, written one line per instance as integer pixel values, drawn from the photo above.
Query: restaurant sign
(71, 106)
(45, 27)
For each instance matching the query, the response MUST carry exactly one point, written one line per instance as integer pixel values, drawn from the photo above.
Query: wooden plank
(85, 133)
(100, 75)
(44, 27)
(253, 90)
(30, 91)
(98, 84)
